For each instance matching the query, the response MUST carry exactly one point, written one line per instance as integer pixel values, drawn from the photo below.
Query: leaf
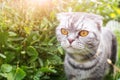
(31, 51)
(41, 62)
(4, 38)
(20, 74)
(12, 33)
(17, 74)
(48, 69)
(10, 56)
(10, 76)
(60, 50)
(55, 60)
(37, 75)
(52, 39)
(6, 68)
(52, 15)
(28, 29)
(16, 39)
(2, 55)
(32, 38)
(3, 74)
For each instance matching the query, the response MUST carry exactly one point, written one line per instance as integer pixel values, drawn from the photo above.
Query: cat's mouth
(70, 46)
(76, 47)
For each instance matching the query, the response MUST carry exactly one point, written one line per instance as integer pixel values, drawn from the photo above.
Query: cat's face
(79, 33)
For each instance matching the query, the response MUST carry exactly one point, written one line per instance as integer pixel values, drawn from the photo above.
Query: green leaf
(55, 60)
(17, 74)
(6, 68)
(40, 62)
(52, 15)
(4, 38)
(48, 69)
(12, 33)
(10, 56)
(31, 51)
(3, 74)
(60, 50)
(2, 55)
(52, 39)
(37, 75)
(10, 76)
(20, 74)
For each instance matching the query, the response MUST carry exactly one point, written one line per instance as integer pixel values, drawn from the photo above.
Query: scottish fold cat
(87, 44)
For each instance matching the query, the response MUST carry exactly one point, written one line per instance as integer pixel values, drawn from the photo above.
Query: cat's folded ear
(97, 19)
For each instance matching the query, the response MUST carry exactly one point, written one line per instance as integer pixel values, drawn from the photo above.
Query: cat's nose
(70, 40)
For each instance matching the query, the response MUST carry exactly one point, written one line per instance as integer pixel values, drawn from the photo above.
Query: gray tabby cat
(87, 45)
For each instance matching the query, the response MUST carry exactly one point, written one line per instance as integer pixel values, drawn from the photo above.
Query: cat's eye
(64, 31)
(83, 33)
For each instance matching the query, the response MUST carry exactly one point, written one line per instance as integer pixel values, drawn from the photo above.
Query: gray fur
(86, 57)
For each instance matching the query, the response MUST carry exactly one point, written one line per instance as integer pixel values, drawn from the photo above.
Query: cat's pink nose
(70, 40)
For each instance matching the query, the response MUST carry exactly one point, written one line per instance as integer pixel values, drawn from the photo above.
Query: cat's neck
(82, 59)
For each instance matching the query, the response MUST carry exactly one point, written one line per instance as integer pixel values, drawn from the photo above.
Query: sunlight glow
(40, 2)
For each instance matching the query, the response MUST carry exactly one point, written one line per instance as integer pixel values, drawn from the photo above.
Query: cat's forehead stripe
(74, 21)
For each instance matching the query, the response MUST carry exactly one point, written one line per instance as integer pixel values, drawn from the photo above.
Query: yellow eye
(64, 31)
(83, 33)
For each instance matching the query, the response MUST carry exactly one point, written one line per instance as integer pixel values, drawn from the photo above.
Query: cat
(88, 45)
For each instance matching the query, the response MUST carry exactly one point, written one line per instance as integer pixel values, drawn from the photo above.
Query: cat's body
(95, 68)
(87, 45)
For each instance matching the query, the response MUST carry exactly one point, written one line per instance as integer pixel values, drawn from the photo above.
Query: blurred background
(28, 46)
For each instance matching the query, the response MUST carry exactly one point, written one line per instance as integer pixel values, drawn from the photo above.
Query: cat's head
(79, 33)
